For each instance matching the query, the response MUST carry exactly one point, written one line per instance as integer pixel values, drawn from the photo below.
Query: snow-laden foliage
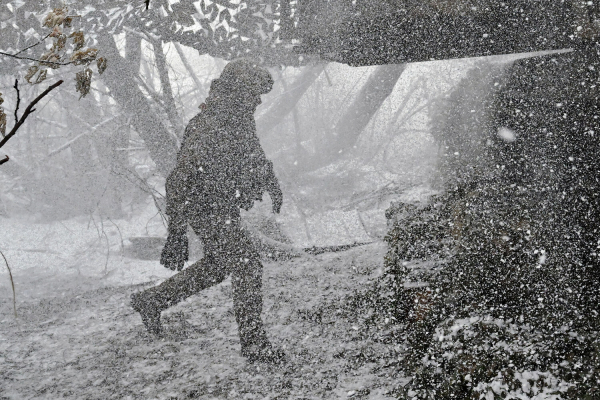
(363, 32)
(224, 29)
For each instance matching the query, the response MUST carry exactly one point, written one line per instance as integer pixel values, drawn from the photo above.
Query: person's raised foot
(149, 312)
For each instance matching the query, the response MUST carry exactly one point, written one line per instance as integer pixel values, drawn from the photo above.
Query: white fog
(299, 200)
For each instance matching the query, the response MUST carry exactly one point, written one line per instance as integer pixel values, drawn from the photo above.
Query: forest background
(84, 182)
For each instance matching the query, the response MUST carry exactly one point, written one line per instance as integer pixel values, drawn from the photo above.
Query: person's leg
(246, 279)
(199, 276)
(208, 271)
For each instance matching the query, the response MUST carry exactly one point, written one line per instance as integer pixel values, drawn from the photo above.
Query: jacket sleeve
(258, 175)
(179, 183)
(177, 189)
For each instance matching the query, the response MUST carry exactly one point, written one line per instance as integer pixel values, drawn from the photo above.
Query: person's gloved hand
(276, 198)
(175, 253)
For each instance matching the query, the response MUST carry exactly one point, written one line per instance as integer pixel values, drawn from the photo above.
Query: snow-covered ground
(76, 336)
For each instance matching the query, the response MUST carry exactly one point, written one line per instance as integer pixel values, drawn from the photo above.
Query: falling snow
(415, 183)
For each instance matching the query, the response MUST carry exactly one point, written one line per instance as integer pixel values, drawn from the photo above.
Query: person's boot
(259, 349)
(148, 308)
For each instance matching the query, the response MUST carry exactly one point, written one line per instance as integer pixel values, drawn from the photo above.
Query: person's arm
(262, 176)
(175, 252)
(177, 187)
(271, 184)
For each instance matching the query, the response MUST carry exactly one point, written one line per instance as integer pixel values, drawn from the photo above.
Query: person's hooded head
(241, 84)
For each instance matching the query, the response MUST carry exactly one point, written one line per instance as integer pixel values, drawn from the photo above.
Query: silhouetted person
(221, 168)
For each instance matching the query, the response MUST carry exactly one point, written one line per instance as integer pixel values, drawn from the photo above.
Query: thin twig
(144, 186)
(147, 36)
(302, 217)
(187, 66)
(28, 111)
(363, 224)
(164, 219)
(34, 59)
(12, 283)
(46, 62)
(52, 122)
(33, 45)
(18, 100)
(107, 246)
(5, 159)
(97, 207)
(165, 84)
(148, 222)
(70, 142)
(120, 235)
(100, 236)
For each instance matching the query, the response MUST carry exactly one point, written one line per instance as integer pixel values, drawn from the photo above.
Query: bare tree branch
(2, 53)
(120, 80)
(187, 65)
(12, 282)
(5, 159)
(286, 102)
(28, 111)
(18, 100)
(165, 84)
(86, 133)
(33, 45)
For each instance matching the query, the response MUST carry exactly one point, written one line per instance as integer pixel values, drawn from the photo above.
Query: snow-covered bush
(496, 311)
(512, 312)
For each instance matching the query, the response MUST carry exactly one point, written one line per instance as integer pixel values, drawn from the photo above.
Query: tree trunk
(277, 112)
(167, 90)
(120, 79)
(366, 103)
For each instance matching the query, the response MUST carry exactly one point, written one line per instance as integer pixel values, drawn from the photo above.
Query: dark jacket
(220, 163)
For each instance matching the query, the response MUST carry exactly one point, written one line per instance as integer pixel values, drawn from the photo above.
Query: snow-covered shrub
(498, 309)
(513, 310)
(416, 233)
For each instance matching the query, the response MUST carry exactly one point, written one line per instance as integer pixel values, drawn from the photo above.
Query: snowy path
(87, 343)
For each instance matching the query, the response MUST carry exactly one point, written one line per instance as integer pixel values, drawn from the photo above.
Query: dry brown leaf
(60, 43)
(67, 22)
(78, 39)
(84, 56)
(83, 82)
(55, 17)
(41, 76)
(101, 63)
(56, 32)
(2, 122)
(31, 72)
(50, 59)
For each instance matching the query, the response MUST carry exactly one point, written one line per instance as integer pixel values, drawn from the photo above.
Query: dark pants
(228, 250)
